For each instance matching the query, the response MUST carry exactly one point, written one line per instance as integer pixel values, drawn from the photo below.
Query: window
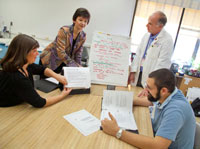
(187, 39)
(186, 49)
(144, 10)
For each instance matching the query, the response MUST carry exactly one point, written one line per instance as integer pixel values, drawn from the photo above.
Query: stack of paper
(77, 77)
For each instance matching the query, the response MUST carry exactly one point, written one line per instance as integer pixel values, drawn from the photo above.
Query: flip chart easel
(109, 59)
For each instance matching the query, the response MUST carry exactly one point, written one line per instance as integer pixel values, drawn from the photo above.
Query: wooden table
(198, 119)
(26, 127)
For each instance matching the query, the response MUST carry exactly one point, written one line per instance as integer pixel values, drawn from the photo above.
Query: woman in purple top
(67, 48)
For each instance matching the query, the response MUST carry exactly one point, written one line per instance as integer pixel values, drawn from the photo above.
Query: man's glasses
(146, 86)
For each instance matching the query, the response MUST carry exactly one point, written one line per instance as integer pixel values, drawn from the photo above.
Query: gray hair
(162, 19)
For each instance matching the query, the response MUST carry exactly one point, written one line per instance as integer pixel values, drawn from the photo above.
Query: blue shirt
(151, 39)
(174, 120)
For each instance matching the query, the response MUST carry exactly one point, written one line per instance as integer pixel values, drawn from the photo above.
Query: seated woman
(16, 76)
(67, 48)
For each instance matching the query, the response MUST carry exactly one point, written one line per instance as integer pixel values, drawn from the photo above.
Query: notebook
(119, 104)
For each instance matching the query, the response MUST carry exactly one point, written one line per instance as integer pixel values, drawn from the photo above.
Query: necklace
(23, 72)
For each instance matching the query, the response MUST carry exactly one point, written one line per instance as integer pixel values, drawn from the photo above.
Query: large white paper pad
(109, 59)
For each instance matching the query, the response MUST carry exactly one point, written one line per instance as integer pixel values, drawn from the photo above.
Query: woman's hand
(54, 99)
(61, 79)
(79, 65)
(50, 73)
(66, 91)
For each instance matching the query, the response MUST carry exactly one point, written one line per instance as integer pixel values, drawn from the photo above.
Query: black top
(15, 88)
(73, 43)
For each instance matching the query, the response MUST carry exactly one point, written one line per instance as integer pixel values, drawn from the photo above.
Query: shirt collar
(160, 106)
(154, 36)
(71, 28)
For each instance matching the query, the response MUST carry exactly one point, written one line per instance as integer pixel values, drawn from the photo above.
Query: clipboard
(45, 86)
(76, 91)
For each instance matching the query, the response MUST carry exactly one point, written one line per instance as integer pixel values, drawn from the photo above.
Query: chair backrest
(85, 54)
(174, 67)
(85, 57)
(197, 136)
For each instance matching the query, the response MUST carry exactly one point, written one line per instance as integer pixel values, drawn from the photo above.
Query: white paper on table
(77, 77)
(85, 122)
(53, 80)
(119, 104)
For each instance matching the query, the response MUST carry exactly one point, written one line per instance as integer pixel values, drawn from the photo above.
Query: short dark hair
(82, 12)
(16, 56)
(162, 19)
(164, 78)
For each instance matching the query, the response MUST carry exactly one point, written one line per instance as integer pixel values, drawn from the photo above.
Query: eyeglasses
(146, 86)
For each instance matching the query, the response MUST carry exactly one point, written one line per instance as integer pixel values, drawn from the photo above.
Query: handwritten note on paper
(109, 59)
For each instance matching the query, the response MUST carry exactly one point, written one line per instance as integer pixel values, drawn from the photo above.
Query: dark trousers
(139, 82)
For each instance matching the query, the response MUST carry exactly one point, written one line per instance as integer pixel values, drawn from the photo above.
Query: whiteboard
(109, 59)
(43, 18)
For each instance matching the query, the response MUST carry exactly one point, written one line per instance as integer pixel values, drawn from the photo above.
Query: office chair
(174, 67)
(85, 57)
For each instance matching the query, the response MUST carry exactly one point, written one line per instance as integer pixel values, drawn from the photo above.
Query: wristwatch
(119, 133)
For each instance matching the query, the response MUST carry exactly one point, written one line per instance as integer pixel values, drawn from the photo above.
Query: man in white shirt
(154, 51)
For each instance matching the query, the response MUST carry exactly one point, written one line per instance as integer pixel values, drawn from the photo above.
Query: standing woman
(67, 48)
(16, 76)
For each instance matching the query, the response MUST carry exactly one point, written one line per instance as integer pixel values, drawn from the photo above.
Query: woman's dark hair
(164, 78)
(82, 12)
(16, 56)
